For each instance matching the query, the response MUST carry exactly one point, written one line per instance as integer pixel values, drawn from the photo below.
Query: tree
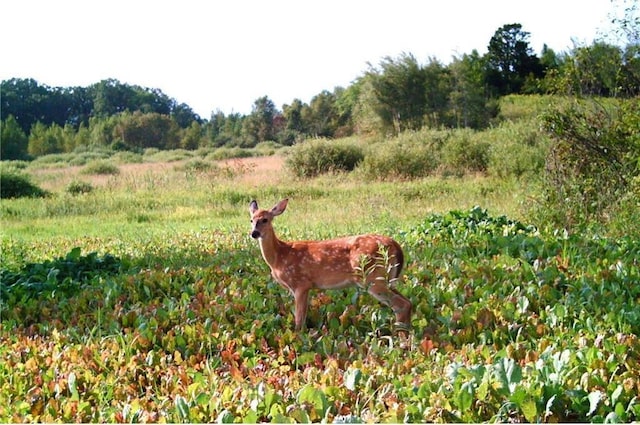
(45, 140)
(345, 104)
(399, 86)
(468, 98)
(192, 138)
(594, 70)
(437, 91)
(510, 60)
(27, 101)
(259, 125)
(110, 97)
(184, 116)
(320, 117)
(13, 141)
(294, 127)
(151, 130)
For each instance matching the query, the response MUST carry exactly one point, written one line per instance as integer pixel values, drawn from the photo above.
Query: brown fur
(301, 266)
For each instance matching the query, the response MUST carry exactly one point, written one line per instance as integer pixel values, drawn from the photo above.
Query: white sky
(226, 54)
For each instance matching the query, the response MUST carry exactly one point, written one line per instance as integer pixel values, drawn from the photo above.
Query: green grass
(146, 300)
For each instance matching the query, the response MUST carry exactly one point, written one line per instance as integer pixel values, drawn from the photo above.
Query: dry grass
(245, 171)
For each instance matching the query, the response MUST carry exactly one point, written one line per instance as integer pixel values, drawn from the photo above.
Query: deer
(371, 261)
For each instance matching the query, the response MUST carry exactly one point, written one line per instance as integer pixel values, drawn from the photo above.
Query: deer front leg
(301, 298)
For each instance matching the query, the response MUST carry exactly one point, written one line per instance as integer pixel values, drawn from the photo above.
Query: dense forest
(395, 95)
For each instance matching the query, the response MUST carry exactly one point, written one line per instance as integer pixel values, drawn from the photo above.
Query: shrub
(17, 185)
(229, 153)
(196, 166)
(127, 157)
(78, 187)
(101, 168)
(410, 155)
(517, 149)
(465, 153)
(593, 162)
(320, 156)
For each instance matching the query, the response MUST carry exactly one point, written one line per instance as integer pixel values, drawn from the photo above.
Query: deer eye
(264, 220)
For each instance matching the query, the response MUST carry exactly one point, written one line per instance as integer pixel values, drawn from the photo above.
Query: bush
(592, 165)
(465, 153)
(517, 149)
(229, 153)
(17, 185)
(101, 168)
(321, 156)
(196, 166)
(412, 154)
(77, 187)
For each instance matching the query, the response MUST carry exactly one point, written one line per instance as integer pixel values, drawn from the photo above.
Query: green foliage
(14, 184)
(465, 153)
(78, 187)
(511, 60)
(410, 155)
(13, 141)
(63, 276)
(593, 160)
(511, 325)
(399, 86)
(101, 168)
(517, 149)
(229, 153)
(197, 166)
(150, 130)
(320, 156)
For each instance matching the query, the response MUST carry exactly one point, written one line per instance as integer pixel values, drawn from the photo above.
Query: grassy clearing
(183, 323)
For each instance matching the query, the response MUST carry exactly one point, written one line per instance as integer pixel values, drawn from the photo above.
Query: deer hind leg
(400, 305)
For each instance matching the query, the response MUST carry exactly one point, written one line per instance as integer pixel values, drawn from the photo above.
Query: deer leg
(301, 297)
(400, 305)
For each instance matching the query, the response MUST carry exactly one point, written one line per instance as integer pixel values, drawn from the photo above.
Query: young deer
(370, 261)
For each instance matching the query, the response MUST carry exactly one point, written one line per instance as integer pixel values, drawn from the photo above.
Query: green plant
(465, 152)
(592, 162)
(14, 184)
(320, 156)
(100, 167)
(411, 155)
(78, 187)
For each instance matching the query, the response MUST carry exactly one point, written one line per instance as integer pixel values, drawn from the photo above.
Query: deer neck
(271, 248)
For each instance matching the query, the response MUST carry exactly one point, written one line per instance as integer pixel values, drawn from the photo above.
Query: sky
(222, 55)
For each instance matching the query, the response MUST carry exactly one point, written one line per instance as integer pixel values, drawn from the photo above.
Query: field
(145, 300)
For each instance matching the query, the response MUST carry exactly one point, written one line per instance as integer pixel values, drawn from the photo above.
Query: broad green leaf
(73, 388)
(352, 377)
(251, 417)
(224, 417)
(464, 398)
(314, 396)
(183, 407)
(509, 374)
(615, 395)
(594, 399)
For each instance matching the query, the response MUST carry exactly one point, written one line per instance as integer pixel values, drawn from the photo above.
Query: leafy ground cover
(510, 324)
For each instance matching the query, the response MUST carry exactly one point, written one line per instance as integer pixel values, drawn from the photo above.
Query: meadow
(143, 299)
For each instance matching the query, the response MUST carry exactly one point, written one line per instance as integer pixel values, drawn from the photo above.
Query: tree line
(395, 95)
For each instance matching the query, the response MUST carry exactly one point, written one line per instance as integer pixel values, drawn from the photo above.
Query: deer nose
(255, 234)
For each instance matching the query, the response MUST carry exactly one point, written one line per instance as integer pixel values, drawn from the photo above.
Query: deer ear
(280, 207)
(253, 207)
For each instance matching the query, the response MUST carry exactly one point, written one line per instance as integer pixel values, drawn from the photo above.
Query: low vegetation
(144, 298)
(510, 324)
